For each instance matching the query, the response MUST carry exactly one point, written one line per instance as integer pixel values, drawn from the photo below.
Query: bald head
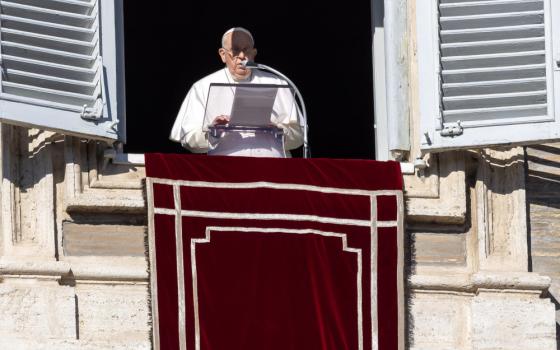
(237, 46)
(237, 30)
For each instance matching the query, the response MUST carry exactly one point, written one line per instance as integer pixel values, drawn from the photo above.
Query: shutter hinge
(452, 130)
(93, 113)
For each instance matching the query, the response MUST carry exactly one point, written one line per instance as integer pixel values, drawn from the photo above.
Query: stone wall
(73, 270)
(470, 287)
(543, 205)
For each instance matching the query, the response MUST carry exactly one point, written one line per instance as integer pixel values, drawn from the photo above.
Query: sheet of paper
(252, 106)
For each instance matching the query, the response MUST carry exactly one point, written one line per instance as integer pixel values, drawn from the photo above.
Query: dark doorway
(324, 48)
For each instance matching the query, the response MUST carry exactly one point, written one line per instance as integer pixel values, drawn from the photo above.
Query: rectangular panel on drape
(260, 253)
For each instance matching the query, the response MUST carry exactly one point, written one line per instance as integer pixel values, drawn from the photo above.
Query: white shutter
(59, 61)
(487, 72)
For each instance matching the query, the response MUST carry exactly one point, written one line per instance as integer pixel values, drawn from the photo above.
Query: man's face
(238, 47)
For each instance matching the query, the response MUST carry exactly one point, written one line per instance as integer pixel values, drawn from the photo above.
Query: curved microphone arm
(302, 111)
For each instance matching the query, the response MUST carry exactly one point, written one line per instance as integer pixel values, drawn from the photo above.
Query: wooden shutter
(491, 69)
(493, 60)
(54, 75)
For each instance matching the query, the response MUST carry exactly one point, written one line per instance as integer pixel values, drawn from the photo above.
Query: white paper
(252, 106)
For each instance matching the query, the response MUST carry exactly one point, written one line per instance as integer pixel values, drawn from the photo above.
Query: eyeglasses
(234, 53)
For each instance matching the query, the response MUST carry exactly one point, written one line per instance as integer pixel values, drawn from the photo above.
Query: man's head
(237, 45)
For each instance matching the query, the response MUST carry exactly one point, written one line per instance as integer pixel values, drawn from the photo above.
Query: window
(164, 58)
(59, 55)
(62, 66)
(489, 72)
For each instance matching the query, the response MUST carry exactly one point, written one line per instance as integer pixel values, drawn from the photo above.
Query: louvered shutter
(61, 66)
(487, 72)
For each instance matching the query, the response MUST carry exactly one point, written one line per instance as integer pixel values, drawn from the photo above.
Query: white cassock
(191, 129)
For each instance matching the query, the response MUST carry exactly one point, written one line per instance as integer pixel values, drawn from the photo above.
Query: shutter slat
(72, 6)
(41, 67)
(489, 114)
(49, 41)
(46, 15)
(493, 59)
(40, 93)
(494, 73)
(498, 86)
(482, 34)
(492, 20)
(50, 82)
(466, 1)
(489, 7)
(493, 46)
(495, 100)
(47, 28)
(48, 55)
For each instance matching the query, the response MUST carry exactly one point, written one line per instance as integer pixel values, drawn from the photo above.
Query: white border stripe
(180, 267)
(195, 291)
(153, 264)
(400, 272)
(373, 274)
(274, 185)
(345, 248)
(274, 216)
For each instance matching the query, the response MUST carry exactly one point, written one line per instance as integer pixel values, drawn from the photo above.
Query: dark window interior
(325, 49)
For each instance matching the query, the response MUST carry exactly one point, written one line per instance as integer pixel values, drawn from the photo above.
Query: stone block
(508, 321)
(439, 321)
(37, 309)
(103, 240)
(113, 312)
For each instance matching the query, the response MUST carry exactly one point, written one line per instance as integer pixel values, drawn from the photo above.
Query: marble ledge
(112, 271)
(473, 283)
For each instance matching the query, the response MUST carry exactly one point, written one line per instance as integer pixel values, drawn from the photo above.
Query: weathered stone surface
(95, 299)
(543, 201)
(16, 343)
(440, 321)
(103, 240)
(512, 321)
(501, 210)
(488, 320)
(439, 248)
(109, 311)
(36, 309)
(438, 194)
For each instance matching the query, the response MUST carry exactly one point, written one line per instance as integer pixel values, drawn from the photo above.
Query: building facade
(482, 264)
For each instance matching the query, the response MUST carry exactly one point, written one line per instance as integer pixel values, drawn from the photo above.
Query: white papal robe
(190, 127)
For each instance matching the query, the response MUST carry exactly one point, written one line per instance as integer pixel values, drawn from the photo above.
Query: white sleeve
(285, 116)
(188, 128)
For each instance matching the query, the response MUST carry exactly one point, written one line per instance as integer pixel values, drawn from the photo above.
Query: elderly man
(189, 128)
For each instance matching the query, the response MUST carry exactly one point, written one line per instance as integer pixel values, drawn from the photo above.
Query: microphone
(249, 64)
(303, 112)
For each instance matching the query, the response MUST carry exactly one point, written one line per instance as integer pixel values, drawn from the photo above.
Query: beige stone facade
(481, 245)
(74, 268)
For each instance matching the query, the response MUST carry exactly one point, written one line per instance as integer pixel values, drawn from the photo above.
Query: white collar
(231, 79)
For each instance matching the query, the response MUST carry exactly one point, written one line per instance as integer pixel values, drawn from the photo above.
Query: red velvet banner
(258, 253)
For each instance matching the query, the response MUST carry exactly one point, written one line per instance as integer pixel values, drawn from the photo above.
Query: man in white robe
(190, 128)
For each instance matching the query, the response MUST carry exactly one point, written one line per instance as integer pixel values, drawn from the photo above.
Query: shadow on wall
(543, 216)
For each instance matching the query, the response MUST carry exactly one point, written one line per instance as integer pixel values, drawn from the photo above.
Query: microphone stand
(302, 111)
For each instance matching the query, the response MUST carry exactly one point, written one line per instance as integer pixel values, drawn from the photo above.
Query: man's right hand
(220, 120)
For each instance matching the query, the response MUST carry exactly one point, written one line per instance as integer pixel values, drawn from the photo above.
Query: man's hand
(220, 120)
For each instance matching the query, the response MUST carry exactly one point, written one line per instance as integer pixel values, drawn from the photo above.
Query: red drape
(276, 253)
